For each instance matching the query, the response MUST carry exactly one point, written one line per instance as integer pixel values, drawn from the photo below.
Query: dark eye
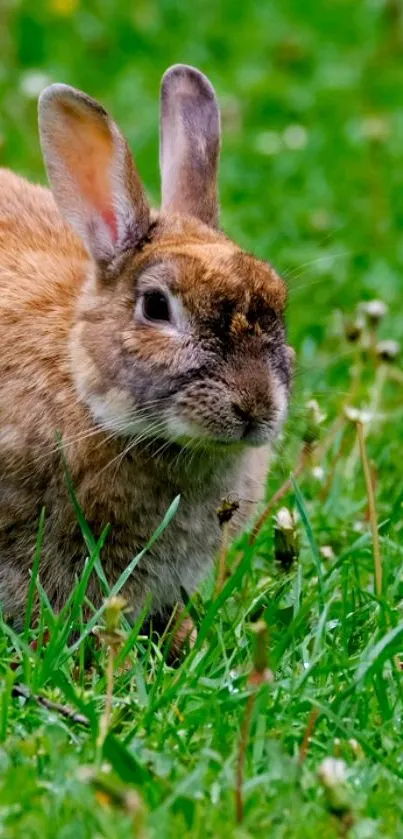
(156, 306)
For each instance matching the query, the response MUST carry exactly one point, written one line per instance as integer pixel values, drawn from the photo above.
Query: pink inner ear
(109, 218)
(87, 148)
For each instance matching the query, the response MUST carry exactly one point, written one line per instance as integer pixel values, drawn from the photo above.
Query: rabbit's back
(29, 210)
(40, 257)
(42, 265)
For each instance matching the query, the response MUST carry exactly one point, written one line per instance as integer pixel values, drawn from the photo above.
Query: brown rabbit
(151, 343)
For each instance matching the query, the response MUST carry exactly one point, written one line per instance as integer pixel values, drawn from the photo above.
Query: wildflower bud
(314, 420)
(333, 777)
(387, 350)
(113, 612)
(111, 636)
(353, 330)
(286, 538)
(260, 673)
(318, 473)
(374, 311)
(352, 414)
(355, 415)
(327, 552)
(355, 748)
(111, 790)
(375, 128)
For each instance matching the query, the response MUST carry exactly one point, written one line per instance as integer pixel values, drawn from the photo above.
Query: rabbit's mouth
(220, 415)
(235, 432)
(253, 435)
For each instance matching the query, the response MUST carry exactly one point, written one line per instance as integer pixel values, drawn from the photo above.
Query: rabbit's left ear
(92, 173)
(189, 144)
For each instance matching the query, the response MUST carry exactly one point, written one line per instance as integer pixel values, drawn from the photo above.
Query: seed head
(261, 673)
(332, 774)
(113, 612)
(354, 329)
(388, 350)
(374, 311)
(314, 421)
(286, 538)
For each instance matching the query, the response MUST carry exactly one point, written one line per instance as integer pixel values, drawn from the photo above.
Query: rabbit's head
(178, 333)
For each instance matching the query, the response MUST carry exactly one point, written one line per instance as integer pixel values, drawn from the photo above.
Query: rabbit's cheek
(109, 404)
(111, 409)
(84, 370)
(180, 428)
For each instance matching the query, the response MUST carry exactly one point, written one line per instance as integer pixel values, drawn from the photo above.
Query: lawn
(312, 180)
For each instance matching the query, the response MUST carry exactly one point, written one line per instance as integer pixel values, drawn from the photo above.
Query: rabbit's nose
(248, 418)
(242, 413)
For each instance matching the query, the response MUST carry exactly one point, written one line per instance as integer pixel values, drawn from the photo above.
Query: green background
(312, 180)
(328, 212)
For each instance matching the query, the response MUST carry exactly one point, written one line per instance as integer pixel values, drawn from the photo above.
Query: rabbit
(149, 341)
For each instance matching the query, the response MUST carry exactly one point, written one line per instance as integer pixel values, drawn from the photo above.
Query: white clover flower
(374, 310)
(332, 771)
(295, 137)
(33, 82)
(388, 350)
(268, 142)
(358, 415)
(284, 519)
(327, 552)
(318, 473)
(314, 410)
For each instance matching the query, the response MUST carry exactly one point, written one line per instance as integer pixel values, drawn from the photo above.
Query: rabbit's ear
(91, 172)
(189, 144)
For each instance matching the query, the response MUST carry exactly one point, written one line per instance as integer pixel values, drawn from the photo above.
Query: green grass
(312, 179)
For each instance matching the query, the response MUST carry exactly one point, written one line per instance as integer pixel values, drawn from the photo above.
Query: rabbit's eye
(156, 306)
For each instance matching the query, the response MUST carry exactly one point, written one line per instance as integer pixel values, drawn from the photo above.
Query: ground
(311, 179)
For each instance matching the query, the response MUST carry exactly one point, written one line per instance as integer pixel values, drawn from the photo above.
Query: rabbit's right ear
(91, 172)
(189, 144)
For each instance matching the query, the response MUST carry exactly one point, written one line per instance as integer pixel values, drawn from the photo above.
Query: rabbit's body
(156, 352)
(43, 269)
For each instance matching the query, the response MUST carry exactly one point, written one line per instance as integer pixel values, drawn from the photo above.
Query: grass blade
(125, 576)
(374, 657)
(299, 500)
(34, 576)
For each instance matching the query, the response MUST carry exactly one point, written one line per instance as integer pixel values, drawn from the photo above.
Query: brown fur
(77, 360)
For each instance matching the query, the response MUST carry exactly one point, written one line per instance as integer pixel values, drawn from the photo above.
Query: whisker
(120, 426)
(162, 448)
(121, 455)
(293, 272)
(302, 368)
